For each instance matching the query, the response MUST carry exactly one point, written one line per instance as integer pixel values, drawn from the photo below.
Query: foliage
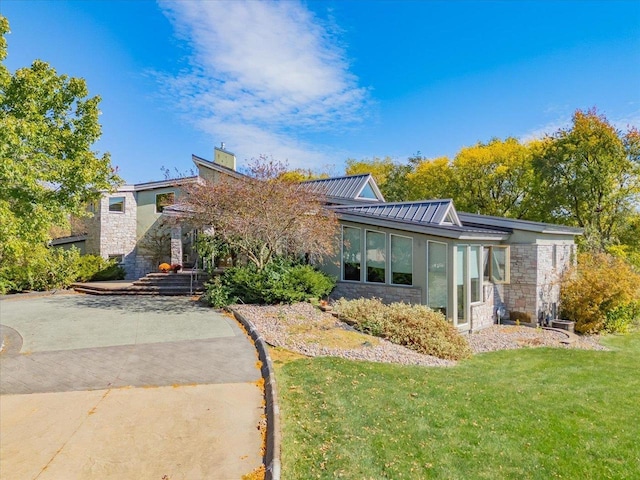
(262, 215)
(590, 174)
(95, 268)
(602, 294)
(515, 414)
(279, 282)
(390, 176)
(156, 242)
(493, 178)
(414, 326)
(211, 249)
(44, 269)
(47, 168)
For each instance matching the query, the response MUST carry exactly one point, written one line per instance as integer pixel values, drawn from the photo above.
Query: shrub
(414, 326)
(603, 293)
(43, 268)
(521, 317)
(279, 282)
(96, 268)
(217, 294)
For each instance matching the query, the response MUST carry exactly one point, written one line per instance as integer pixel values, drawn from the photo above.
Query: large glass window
(116, 204)
(496, 264)
(401, 260)
(475, 282)
(351, 253)
(437, 276)
(164, 200)
(461, 284)
(376, 256)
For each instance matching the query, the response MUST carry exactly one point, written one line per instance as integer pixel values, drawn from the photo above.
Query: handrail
(194, 271)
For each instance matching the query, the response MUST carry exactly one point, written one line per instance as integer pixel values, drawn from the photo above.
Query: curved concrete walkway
(126, 387)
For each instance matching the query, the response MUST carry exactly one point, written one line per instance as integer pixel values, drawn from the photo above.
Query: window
(118, 257)
(164, 200)
(351, 253)
(475, 282)
(401, 260)
(496, 264)
(116, 204)
(367, 192)
(461, 283)
(437, 297)
(376, 256)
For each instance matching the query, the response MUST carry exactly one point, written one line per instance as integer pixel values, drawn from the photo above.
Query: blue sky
(314, 83)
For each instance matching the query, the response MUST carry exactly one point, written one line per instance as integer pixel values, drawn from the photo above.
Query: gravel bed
(295, 327)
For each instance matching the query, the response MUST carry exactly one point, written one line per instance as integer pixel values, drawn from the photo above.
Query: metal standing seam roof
(433, 212)
(341, 187)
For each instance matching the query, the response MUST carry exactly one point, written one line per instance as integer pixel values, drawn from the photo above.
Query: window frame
(366, 257)
(112, 201)
(489, 266)
(342, 257)
(172, 192)
(391, 282)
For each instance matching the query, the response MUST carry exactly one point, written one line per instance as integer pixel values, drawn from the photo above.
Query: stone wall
(118, 231)
(386, 293)
(535, 273)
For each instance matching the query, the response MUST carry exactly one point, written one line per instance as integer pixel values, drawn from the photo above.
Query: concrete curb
(272, 452)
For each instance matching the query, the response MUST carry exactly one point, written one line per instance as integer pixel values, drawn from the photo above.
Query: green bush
(278, 282)
(603, 293)
(414, 326)
(96, 268)
(42, 269)
(217, 294)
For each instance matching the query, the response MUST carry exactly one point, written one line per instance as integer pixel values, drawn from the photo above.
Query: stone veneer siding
(117, 232)
(535, 271)
(386, 293)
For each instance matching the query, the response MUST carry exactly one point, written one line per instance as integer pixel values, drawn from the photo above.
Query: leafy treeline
(586, 175)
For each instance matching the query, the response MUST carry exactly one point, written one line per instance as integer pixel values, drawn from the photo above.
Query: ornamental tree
(263, 214)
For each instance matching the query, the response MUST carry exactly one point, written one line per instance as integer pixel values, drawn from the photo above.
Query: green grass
(525, 414)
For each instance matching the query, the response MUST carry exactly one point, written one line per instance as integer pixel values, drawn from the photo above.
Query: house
(465, 265)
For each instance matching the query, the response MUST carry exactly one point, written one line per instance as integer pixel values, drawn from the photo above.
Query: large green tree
(590, 176)
(48, 171)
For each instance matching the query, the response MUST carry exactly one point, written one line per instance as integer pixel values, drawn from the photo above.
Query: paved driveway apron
(126, 387)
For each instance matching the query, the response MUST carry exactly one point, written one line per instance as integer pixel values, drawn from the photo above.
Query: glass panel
(401, 260)
(116, 204)
(499, 264)
(461, 267)
(367, 192)
(164, 200)
(486, 252)
(351, 255)
(376, 257)
(437, 276)
(474, 273)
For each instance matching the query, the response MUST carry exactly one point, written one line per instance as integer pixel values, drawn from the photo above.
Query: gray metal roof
(434, 212)
(348, 187)
(471, 219)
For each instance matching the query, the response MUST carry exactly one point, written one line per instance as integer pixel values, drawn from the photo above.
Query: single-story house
(465, 265)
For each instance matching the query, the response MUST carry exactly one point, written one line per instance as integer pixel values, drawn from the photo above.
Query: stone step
(138, 291)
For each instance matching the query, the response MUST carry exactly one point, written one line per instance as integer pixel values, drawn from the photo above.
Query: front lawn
(525, 414)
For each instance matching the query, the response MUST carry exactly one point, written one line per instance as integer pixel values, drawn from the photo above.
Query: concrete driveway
(126, 387)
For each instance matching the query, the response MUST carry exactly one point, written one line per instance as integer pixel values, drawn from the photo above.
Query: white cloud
(262, 74)
(622, 123)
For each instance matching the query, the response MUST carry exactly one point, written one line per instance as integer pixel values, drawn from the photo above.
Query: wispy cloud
(563, 120)
(262, 75)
